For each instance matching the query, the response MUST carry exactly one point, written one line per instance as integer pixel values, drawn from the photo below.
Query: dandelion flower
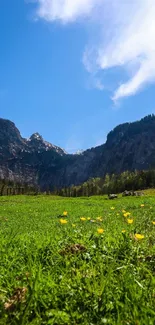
(112, 208)
(142, 205)
(63, 221)
(65, 213)
(123, 231)
(139, 236)
(100, 231)
(82, 219)
(99, 219)
(129, 221)
(127, 214)
(153, 222)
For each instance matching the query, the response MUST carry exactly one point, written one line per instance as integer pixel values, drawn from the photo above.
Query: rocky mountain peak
(36, 136)
(10, 139)
(9, 130)
(37, 143)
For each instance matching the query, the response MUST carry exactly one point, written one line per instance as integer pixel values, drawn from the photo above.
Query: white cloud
(65, 10)
(124, 37)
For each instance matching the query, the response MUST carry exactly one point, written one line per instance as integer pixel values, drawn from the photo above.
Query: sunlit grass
(77, 260)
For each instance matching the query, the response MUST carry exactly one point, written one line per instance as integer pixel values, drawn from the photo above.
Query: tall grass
(109, 278)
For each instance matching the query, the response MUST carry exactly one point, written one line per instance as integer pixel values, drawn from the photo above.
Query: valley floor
(70, 261)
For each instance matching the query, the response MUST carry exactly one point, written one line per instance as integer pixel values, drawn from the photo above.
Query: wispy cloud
(65, 10)
(124, 37)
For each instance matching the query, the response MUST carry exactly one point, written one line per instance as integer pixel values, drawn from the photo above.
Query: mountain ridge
(129, 146)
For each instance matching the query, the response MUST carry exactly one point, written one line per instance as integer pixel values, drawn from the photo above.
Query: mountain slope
(129, 146)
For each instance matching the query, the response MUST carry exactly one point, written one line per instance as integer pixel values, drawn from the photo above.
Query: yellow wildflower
(126, 214)
(142, 205)
(99, 219)
(112, 208)
(63, 221)
(88, 218)
(129, 221)
(139, 236)
(65, 213)
(123, 230)
(100, 231)
(153, 222)
(82, 219)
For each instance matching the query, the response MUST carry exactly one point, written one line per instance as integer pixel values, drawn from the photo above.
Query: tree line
(115, 183)
(109, 184)
(16, 188)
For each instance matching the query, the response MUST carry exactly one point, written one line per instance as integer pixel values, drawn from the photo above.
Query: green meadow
(93, 265)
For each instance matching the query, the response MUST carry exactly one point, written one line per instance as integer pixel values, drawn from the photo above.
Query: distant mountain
(129, 146)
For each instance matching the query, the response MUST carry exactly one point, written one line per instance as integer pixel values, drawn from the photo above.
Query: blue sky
(70, 74)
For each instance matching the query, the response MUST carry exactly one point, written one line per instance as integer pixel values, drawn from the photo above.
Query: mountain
(35, 161)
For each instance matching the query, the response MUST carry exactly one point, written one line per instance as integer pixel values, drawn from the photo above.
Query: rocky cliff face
(129, 146)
